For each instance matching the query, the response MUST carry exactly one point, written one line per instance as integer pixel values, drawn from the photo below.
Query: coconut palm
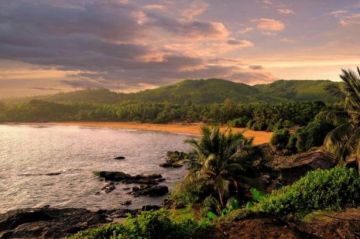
(344, 141)
(221, 159)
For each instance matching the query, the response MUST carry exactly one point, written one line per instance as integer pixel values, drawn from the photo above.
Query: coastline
(193, 129)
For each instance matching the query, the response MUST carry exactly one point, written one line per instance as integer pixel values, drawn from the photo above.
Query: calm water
(27, 153)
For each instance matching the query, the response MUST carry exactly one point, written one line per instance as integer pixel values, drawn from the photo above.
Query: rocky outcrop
(291, 168)
(48, 222)
(151, 191)
(152, 179)
(58, 223)
(174, 159)
(119, 158)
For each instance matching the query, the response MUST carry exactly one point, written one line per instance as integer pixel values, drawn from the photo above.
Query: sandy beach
(260, 137)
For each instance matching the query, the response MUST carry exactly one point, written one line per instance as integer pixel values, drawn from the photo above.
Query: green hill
(299, 90)
(199, 92)
(209, 91)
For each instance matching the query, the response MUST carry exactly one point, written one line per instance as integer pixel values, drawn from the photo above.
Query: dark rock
(126, 189)
(127, 203)
(108, 187)
(150, 208)
(47, 222)
(152, 191)
(291, 168)
(120, 158)
(152, 179)
(168, 164)
(174, 159)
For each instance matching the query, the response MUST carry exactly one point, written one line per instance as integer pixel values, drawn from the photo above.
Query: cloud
(246, 30)
(285, 11)
(269, 25)
(353, 19)
(116, 44)
(253, 77)
(158, 7)
(267, 2)
(338, 13)
(196, 9)
(256, 67)
(240, 43)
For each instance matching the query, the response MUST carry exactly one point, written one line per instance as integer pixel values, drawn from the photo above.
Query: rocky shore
(274, 171)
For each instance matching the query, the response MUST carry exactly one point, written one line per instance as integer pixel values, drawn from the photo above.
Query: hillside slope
(209, 91)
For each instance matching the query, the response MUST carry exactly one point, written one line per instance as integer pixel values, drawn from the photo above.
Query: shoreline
(191, 129)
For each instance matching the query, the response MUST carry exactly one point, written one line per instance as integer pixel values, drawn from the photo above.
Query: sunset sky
(128, 45)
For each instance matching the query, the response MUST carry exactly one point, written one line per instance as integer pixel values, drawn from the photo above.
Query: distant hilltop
(209, 91)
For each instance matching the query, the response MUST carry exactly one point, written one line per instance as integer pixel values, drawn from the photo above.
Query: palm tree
(221, 159)
(344, 141)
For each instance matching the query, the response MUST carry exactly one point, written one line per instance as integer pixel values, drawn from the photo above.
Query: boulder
(291, 168)
(151, 191)
(48, 222)
(108, 187)
(150, 208)
(127, 203)
(169, 164)
(152, 179)
(119, 158)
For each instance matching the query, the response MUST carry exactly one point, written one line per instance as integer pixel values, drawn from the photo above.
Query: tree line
(257, 116)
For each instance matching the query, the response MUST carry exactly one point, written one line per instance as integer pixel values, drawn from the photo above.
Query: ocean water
(41, 165)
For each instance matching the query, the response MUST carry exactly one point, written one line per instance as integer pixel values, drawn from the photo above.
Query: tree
(222, 159)
(344, 141)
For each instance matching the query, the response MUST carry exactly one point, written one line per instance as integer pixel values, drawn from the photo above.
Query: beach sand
(260, 137)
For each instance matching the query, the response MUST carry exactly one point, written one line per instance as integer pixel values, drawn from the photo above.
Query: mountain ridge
(207, 91)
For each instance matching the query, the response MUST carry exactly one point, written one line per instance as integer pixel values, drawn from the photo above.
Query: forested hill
(209, 91)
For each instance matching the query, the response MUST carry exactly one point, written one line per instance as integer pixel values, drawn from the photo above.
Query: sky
(130, 45)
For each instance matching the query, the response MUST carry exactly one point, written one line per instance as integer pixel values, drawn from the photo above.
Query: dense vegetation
(332, 189)
(219, 170)
(209, 91)
(259, 116)
(148, 225)
(260, 107)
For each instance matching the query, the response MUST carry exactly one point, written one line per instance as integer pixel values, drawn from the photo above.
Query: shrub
(147, 225)
(291, 145)
(280, 139)
(331, 189)
(189, 193)
(240, 122)
(312, 135)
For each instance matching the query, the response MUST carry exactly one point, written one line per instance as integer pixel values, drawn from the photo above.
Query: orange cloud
(155, 7)
(269, 25)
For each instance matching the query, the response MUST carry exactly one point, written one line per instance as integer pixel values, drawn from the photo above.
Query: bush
(190, 193)
(148, 225)
(239, 122)
(280, 139)
(291, 145)
(312, 135)
(331, 189)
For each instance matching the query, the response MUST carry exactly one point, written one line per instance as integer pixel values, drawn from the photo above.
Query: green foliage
(211, 100)
(208, 91)
(147, 225)
(344, 140)
(333, 189)
(240, 122)
(280, 139)
(256, 197)
(312, 135)
(222, 159)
